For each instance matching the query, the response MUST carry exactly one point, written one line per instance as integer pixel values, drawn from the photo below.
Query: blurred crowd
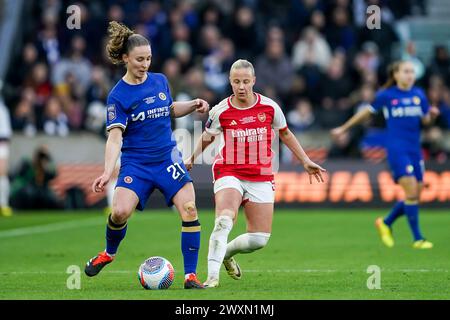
(316, 58)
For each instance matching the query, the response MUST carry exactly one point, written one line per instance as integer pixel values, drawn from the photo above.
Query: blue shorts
(406, 163)
(167, 176)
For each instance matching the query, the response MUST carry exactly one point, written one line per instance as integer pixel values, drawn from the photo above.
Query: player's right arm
(361, 116)
(112, 152)
(356, 119)
(205, 140)
(116, 123)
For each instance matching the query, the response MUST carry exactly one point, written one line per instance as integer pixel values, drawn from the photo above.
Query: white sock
(110, 255)
(246, 243)
(218, 245)
(110, 192)
(4, 191)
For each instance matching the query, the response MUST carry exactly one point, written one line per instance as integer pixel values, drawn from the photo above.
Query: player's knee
(258, 240)
(120, 214)
(412, 198)
(190, 209)
(411, 188)
(226, 213)
(412, 195)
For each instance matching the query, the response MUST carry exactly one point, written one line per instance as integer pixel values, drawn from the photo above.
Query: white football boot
(232, 268)
(211, 283)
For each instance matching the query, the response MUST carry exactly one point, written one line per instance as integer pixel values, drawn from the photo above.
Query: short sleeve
(213, 126)
(379, 102)
(115, 114)
(279, 120)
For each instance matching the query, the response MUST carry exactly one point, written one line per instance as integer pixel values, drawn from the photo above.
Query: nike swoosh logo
(135, 106)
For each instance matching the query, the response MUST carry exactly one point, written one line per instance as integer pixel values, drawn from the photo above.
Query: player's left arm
(181, 108)
(430, 112)
(289, 139)
(313, 169)
(430, 116)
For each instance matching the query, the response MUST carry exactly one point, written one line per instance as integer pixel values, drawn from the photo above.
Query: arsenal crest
(262, 117)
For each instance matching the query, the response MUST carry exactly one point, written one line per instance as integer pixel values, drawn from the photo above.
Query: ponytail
(121, 41)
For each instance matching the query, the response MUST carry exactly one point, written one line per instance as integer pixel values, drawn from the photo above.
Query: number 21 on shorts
(176, 170)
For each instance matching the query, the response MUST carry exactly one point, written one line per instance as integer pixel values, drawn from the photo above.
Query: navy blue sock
(114, 234)
(190, 244)
(412, 213)
(397, 211)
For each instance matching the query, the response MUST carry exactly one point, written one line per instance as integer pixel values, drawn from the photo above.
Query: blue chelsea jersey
(142, 111)
(403, 111)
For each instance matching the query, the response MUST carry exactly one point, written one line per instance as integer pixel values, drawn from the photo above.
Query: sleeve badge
(111, 110)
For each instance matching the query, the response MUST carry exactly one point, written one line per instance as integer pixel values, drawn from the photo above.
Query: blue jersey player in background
(405, 108)
(139, 111)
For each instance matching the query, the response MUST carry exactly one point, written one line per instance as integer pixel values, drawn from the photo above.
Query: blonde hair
(121, 41)
(242, 64)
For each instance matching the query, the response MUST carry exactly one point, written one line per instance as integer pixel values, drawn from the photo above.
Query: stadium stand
(56, 79)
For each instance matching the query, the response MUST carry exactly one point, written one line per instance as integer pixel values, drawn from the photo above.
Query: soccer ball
(156, 273)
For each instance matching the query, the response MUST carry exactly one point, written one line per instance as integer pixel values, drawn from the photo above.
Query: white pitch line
(250, 271)
(50, 227)
(57, 226)
(342, 270)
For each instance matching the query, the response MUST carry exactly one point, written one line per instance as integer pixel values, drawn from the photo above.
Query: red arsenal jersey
(245, 150)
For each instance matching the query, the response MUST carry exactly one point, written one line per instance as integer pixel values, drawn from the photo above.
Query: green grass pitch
(312, 254)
